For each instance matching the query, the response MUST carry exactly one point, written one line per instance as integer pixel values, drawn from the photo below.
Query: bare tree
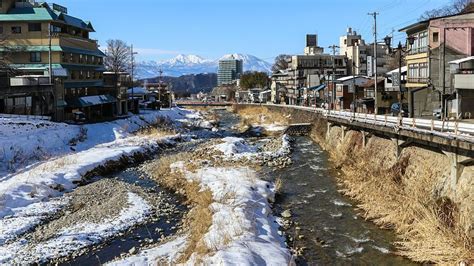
(281, 63)
(453, 8)
(118, 56)
(5, 55)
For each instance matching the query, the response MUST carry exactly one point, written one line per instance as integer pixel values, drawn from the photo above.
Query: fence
(26, 117)
(447, 129)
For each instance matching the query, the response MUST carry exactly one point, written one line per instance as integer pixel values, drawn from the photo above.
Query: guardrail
(26, 117)
(447, 129)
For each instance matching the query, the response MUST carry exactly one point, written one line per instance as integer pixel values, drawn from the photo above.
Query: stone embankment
(410, 194)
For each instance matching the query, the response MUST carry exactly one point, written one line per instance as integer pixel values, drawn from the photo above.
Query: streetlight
(401, 53)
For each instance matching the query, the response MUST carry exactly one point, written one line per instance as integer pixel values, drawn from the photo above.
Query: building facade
(438, 41)
(229, 71)
(311, 69)
(361, 55)
(37, 36)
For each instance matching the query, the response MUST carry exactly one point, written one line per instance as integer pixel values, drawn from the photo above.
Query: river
(333, 232)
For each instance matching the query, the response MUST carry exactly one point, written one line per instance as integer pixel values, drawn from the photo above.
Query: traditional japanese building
(40, 36)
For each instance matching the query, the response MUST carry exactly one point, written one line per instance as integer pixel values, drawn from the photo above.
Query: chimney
(349, 30)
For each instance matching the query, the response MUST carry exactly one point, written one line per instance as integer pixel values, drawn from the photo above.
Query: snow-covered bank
(242, 229)
(165, 253)
(33, 194)
(76, 237)
(24, 142)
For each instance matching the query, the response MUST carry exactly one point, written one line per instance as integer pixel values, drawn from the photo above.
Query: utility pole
(160, 82)
(333, 96)
(50, 59)
(374, 14)
(132, 54)
(50, 66)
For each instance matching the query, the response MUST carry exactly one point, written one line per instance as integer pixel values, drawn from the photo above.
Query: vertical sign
(370, 66)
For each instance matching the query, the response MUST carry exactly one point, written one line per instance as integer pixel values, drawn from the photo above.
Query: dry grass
(162, 127)
(400, 194)
(199, 218)
(259, 115)
(278, 185)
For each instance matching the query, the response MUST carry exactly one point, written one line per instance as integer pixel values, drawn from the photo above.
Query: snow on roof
(404, 69)
(349, 78)
(138, 90)
(462, 60)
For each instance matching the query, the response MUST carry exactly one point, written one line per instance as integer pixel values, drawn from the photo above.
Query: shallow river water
(333, 231)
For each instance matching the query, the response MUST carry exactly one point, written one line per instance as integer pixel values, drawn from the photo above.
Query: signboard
(59, 8)
(311, 40)
(370, 66)
(396, 80)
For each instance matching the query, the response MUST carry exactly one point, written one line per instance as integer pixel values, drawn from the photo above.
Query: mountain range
(194, 64)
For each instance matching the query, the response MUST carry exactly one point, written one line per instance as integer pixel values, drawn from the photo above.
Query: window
(16, 29)
(1, 28)
(56, 29)
(423, 68)
(35, 57)
(1, 3)
(435, 36)
(34, 26)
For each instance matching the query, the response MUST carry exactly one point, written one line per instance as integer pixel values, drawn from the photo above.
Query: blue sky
(161, 29)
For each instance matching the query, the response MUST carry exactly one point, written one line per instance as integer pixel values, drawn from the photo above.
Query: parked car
(396, 110)
(79, 117)
(437, 113)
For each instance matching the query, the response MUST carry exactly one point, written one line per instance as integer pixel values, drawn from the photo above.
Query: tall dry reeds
(401, 194)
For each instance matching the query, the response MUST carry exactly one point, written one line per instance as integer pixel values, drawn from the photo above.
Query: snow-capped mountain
(187, 60)
(251, 63)
(194, 64)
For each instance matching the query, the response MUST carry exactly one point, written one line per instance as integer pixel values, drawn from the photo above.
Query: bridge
(455, 139)
(202, 104)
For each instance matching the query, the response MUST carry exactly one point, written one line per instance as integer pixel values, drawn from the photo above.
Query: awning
(83, 84)
(462, 60)
(87, 101)
(366, 100)
(318, 88)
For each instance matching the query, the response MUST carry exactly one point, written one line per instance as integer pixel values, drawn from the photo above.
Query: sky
(161, 29)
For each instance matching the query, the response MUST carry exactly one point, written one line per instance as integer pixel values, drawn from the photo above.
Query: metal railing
(447, 129)
(26, 117)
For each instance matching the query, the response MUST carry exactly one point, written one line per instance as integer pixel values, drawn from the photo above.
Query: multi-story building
(117, 85)
(437, 41)
(38, 35)
(229, 71)
(307, 70)
(361, 55)
(462, 76)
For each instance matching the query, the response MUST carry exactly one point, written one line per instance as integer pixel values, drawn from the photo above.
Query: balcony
(418, 80)
(79, 38)
(29, 81)
(464, 81)
(418, 50)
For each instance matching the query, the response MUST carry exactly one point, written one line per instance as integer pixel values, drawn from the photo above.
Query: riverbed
(324, 225)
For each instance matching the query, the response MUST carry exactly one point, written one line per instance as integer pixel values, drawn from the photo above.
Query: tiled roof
(29, 14)
(54, 48)
(44, 13)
